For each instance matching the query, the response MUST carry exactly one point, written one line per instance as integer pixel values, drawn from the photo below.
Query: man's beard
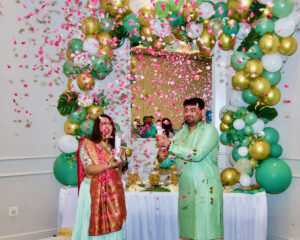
(192, 122)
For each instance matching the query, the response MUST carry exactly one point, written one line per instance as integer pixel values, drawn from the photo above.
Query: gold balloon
(260, 149)
(230, 176)
(146, 34)
(206, 43)
(190, 12)
(226, 42)
(177, 33)
(251, 138)
(69, 84)
(254, 163)
(269, 44)
(240, 80)
(115, 8)
(105, 39)
(260, 86)
(106, 51)
(94, 111)
(158, 44)
(227, 118)
(224, 127)
(239, 8)
(68, 54)
(267, 13)
(272, 97)
(70, 127)
(253, 68)
(206, 22)
(128, 152)
(90, 26)
(145, 15)
(85, 81)
(288, 46)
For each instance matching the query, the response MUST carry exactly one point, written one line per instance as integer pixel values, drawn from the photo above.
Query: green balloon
(236, 156)
(107, 24)
(271, 135)
(282, 8)
(86, 127)
(263, 26)
(238, 60)
(78, 116)
(220, 10)
(134, 38)
(265, 120)
(176, 19)
(231, 26)
(242, 110)
(245, 142)
(100, 63)
(274, 175)
(248, 130)
(76, 45)
(273, 77)
(176, 5)
(276, 150)
(249, 97)
(117, 126)
(65, 169)
(255, 52)
(68, 68)
(250, 118)
(131, 24)
(250, 173)
(223, 138)
(162, 9)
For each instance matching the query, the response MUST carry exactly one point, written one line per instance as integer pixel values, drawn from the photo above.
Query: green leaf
(263, 111)
(67, 103)
(249, 40)
(256, 8)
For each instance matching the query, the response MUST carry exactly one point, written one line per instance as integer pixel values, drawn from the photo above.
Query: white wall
(27, 153)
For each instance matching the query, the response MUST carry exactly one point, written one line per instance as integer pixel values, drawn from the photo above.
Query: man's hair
(194, 102)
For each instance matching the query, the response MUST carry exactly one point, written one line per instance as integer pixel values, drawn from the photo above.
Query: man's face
(148, 121)
(192, 114)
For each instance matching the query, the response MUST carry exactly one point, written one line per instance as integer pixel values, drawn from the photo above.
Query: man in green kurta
(194, 150)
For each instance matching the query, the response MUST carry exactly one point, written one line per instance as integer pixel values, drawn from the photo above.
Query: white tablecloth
(153, 215)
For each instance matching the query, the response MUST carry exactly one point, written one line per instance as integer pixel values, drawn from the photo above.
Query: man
(149, 129)
(195, 151)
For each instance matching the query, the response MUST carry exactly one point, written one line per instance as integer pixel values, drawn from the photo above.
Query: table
(153, 215)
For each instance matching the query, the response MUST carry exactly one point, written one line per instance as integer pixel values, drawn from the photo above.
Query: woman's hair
(167, 126)
(96, 134)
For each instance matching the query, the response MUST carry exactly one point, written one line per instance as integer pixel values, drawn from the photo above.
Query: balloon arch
(264, 30)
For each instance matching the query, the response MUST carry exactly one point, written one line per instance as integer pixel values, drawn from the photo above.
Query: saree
(108, 209)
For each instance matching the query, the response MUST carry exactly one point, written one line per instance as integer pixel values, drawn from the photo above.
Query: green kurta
(200, 203)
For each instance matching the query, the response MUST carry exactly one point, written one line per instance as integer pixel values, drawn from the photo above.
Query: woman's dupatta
(108, 209)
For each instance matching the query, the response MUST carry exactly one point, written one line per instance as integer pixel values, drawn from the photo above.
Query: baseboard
(44, 233)
(278, 237)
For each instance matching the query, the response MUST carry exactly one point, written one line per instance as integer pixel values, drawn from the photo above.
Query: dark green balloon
(273, 77)
(255, 52)
(65, 169)
(249, 97)
(78, 116)
(231, 26)
(274, 175)
(250, 118)
(107, 24)
(86, 127)
(245, 142)
(276, 150)
(271, 135)
(236, 156)
(76, 45)
(131, 23)
(223, 138)
(238, 60)
(264, 26)
(220, 10)
(117, 126)
(175, 19)
(100, 63)
(248, 130)
(250, 173)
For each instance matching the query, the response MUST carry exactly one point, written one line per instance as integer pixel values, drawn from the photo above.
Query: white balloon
(243, 151)
(284, 57)
(81, 59)
(243, 165)
(284, 27)
(295, 17)
(68, 144)
(239, 124)
(91, 46)
(258, 126)
(244, 30)
(206, 10)
(236, 99)
(194, 30)
(85, 100)
(272, 62)
(162, 27)
(245, 180)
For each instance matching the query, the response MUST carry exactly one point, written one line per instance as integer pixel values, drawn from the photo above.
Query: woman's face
(106, 127)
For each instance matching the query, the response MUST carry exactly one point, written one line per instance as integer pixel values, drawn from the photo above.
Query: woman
(101, 208)
(167, 127)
